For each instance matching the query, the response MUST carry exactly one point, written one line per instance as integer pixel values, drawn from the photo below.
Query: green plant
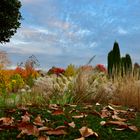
(70, 70)
(126, 65)
(114, 60)
(65, 98)
(136, 70)
(87, 85)
(127, 91)
(9, 19)
(2, 84)
(33, 98)
(116, 64)
(16, 83)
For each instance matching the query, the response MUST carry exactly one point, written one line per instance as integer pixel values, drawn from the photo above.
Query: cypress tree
(114, 60)
(116, 57)
(118, 65)
(110, 63)
(123, 66)
(128, 63)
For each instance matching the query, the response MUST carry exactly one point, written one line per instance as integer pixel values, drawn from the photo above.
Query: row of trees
(118, 65)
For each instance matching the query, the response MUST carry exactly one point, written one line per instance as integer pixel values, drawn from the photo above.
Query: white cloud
(93, 45)
(30, 1)
(122, 31)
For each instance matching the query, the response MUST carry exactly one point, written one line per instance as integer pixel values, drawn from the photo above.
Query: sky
(62, 32)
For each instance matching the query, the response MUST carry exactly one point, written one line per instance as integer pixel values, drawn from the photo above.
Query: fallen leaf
(11, 111)
(82, 138)
(57, 112)
(43, 138)
(121, 111)
(56, 132)
(87, 107)
(71, 105)
(116, 106)
(60, 127)
(79, 116)
(134, 128)
(131, 109)
(28, 129)
(38, 121)
(110, 107)
(26, 117)
(22, 108)
(44, 128)
(105, 113)
(97, 104)
(102, 123)
(6, 120)
(72, 124)
(118, 118)
(119, 123)
(53, 106)
(119, 129)
(86, 132)
(73, 110)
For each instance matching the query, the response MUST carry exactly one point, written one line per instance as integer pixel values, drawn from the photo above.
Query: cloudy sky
(60, 32)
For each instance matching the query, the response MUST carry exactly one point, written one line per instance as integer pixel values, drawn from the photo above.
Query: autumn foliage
(56, 70)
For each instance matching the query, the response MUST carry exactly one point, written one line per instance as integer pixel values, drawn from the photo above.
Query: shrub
(16, 82)
(55, 70)
(70, 71)
(100, 68)
(87, 85)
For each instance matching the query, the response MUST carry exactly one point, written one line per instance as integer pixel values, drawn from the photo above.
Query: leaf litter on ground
(29, 124)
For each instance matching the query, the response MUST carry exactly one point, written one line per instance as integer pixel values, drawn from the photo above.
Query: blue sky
(60, 32)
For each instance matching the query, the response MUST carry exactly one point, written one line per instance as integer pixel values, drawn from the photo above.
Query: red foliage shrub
(57, 71)
(101, 68)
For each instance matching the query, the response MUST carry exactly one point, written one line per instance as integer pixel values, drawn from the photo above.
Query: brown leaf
(43, 138)
(82, 138)
(9, 111)
(56, 132)
(105, 113)
(79, 116)
(121, 111)
(71, 105)
(118, 123)
(23, 108)
(73, 110)
(86, 132)
(44, 128)
(118, 118)
(60, 127)
(57, 112)
(110, 107)
(38, 121)
(72, 124)
(119, 129)
(27, 128)
(53, 106)
(115, 106)
(6, 120)
(87, 107)
(102, 123)
(26, 117)
(134, 128)
(97, 104)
